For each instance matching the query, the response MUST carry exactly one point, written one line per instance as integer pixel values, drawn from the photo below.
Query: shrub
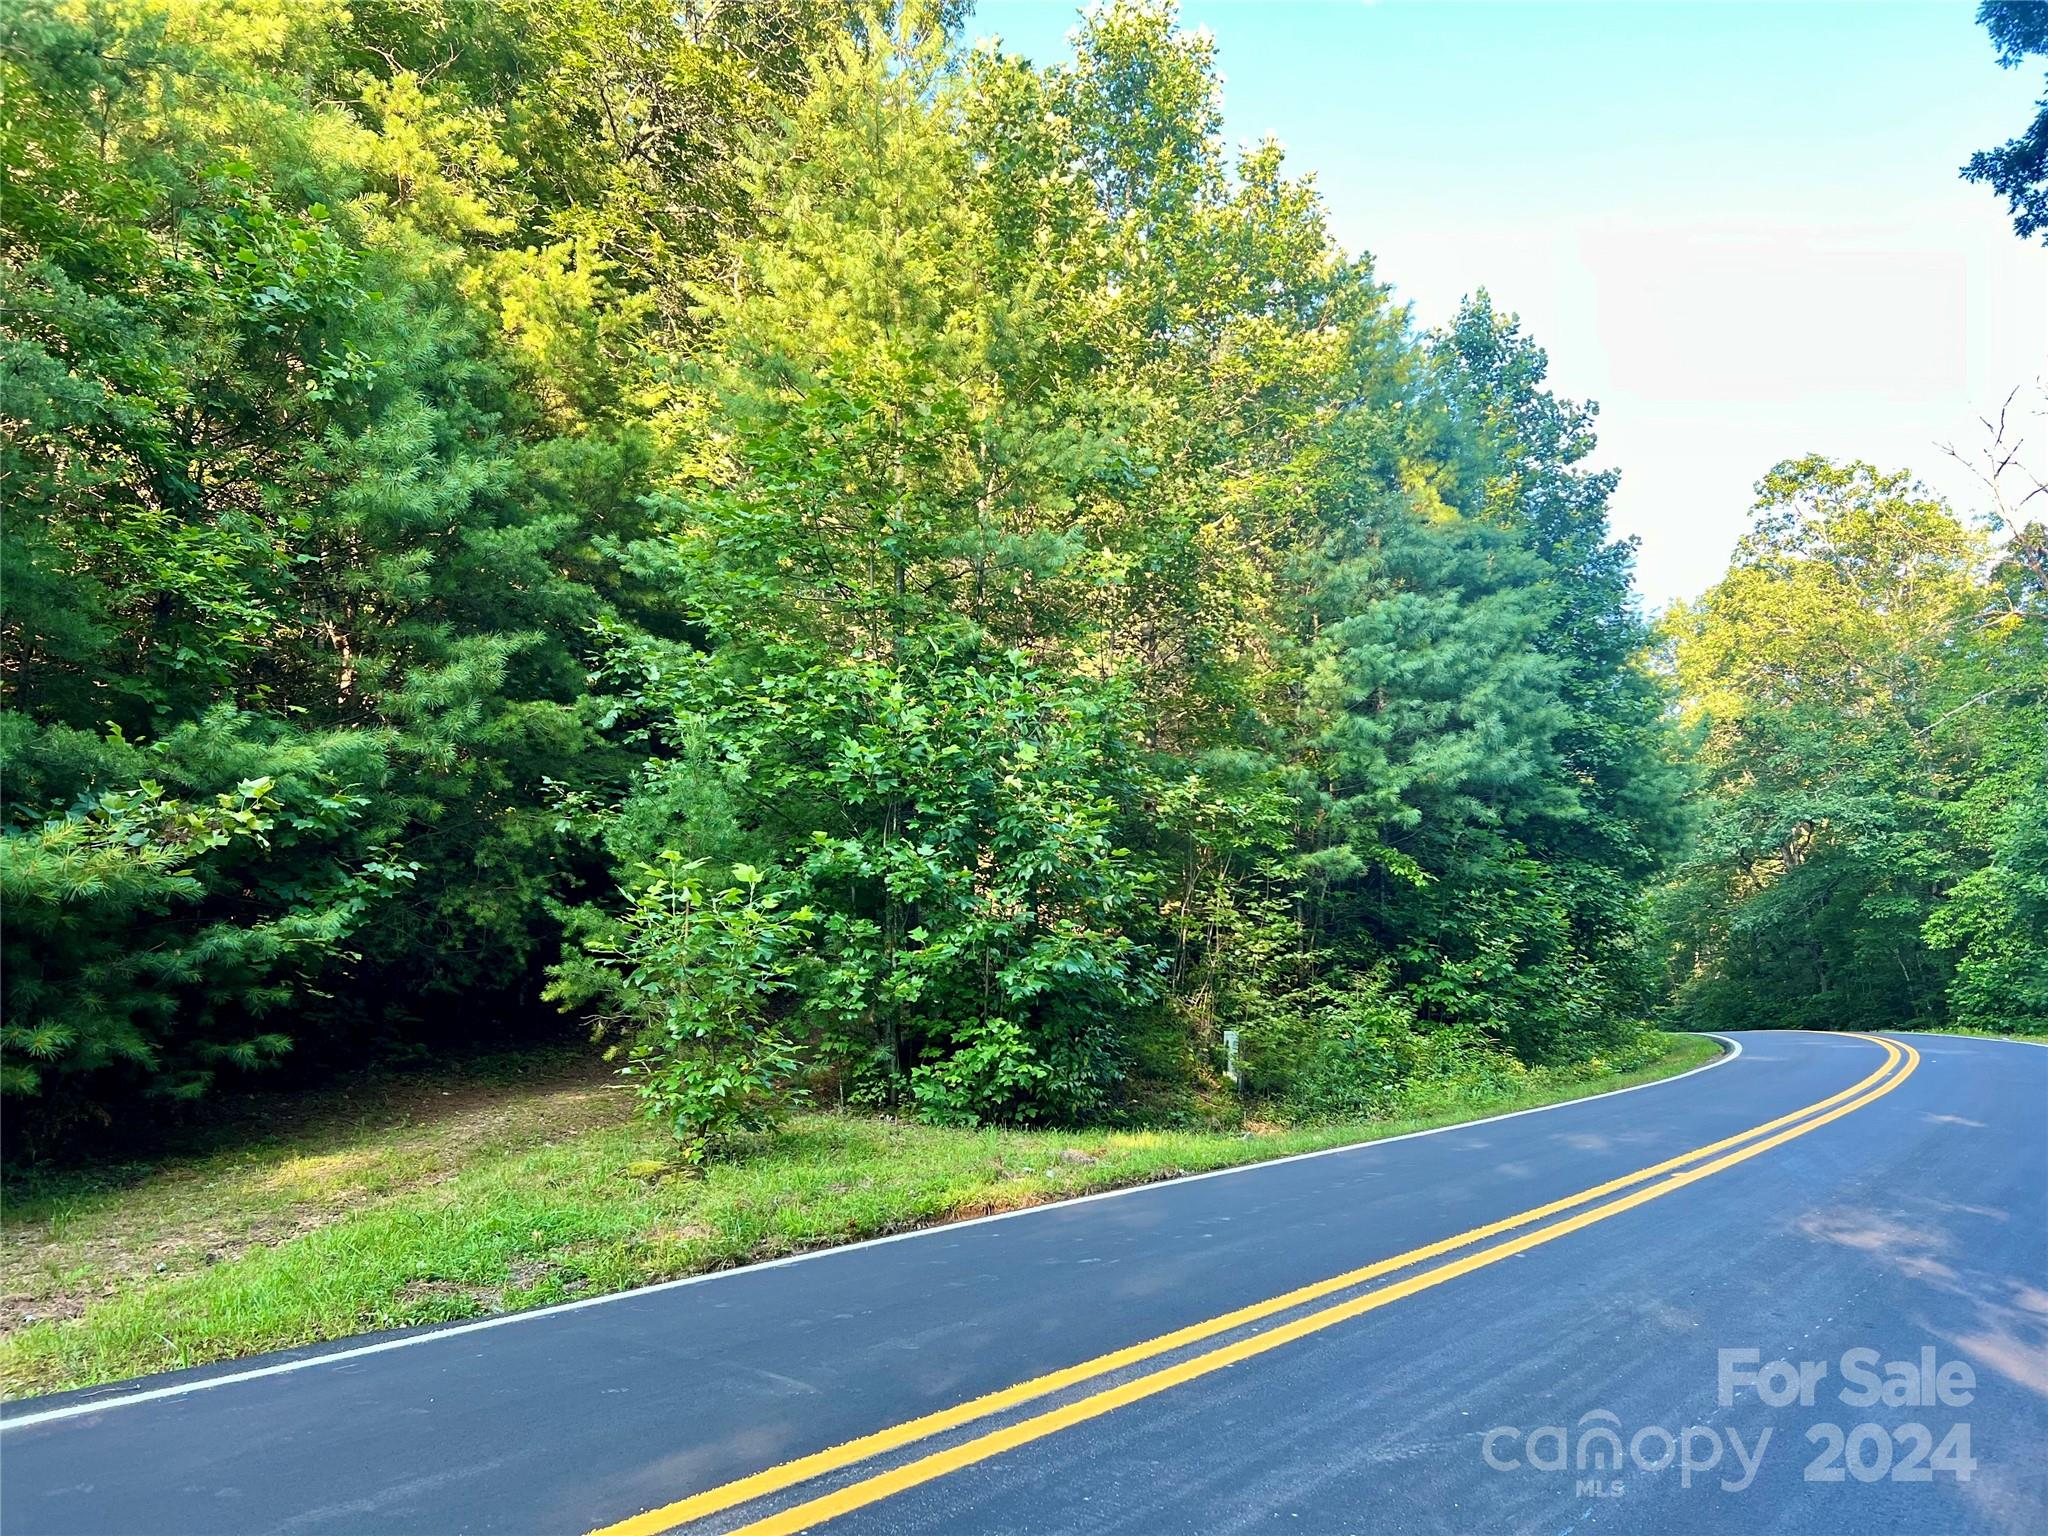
(693, 974)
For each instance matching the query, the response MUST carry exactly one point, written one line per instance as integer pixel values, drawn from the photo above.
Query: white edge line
(506, 1319)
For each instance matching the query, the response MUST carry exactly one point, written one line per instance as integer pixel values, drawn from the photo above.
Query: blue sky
(1736, 226)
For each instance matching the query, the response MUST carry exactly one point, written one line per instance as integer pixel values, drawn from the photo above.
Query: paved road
(1499, 1324)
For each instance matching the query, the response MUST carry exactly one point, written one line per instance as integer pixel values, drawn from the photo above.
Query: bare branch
(1999, 463)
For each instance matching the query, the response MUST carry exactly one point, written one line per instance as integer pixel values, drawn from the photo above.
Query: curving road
(1804, 1289)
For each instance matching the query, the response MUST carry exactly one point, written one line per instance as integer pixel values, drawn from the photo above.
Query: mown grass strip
(594, 1209)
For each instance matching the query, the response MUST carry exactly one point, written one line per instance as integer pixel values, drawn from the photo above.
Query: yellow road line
(801, 1469)
(925, 1469)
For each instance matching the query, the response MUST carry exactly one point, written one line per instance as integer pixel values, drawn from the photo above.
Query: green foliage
(945, 826)
(1067, 650)
(160, 932)
(553, 440)
(695, 977)
(1871, 690)
(283, 484)
(2017, 170)
(1492, 772)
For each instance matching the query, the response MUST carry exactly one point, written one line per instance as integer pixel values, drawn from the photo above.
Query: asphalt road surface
(1804, 1289)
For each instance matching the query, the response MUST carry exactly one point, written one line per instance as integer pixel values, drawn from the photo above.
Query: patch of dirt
(319, 1158)
(522, 1276)
(526, 1274)
(417, 1293)
(104, 1265)
(687, 1232)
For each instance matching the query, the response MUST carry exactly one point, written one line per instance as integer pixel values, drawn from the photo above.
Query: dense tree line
(1869, 683)
(1866, 693)
(837, 557)
(853, 564)
(330, 339)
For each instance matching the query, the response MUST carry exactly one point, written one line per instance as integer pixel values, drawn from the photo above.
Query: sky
(1738, 227)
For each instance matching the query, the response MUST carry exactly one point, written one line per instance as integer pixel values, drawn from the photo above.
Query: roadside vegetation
(867, 569)
(2027, 1036)
(419, 1201)
(869, 573)
(1869, 689)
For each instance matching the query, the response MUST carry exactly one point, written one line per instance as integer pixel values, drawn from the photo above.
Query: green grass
(2036, 1036)
(536, 1187)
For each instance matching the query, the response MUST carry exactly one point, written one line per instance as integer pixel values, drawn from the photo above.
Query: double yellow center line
(1644, 1185)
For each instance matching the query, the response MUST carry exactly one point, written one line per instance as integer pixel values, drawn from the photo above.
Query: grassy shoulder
(2024, 1036)
(459, 1198)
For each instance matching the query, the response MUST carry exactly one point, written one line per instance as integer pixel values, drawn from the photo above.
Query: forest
(850, 568)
